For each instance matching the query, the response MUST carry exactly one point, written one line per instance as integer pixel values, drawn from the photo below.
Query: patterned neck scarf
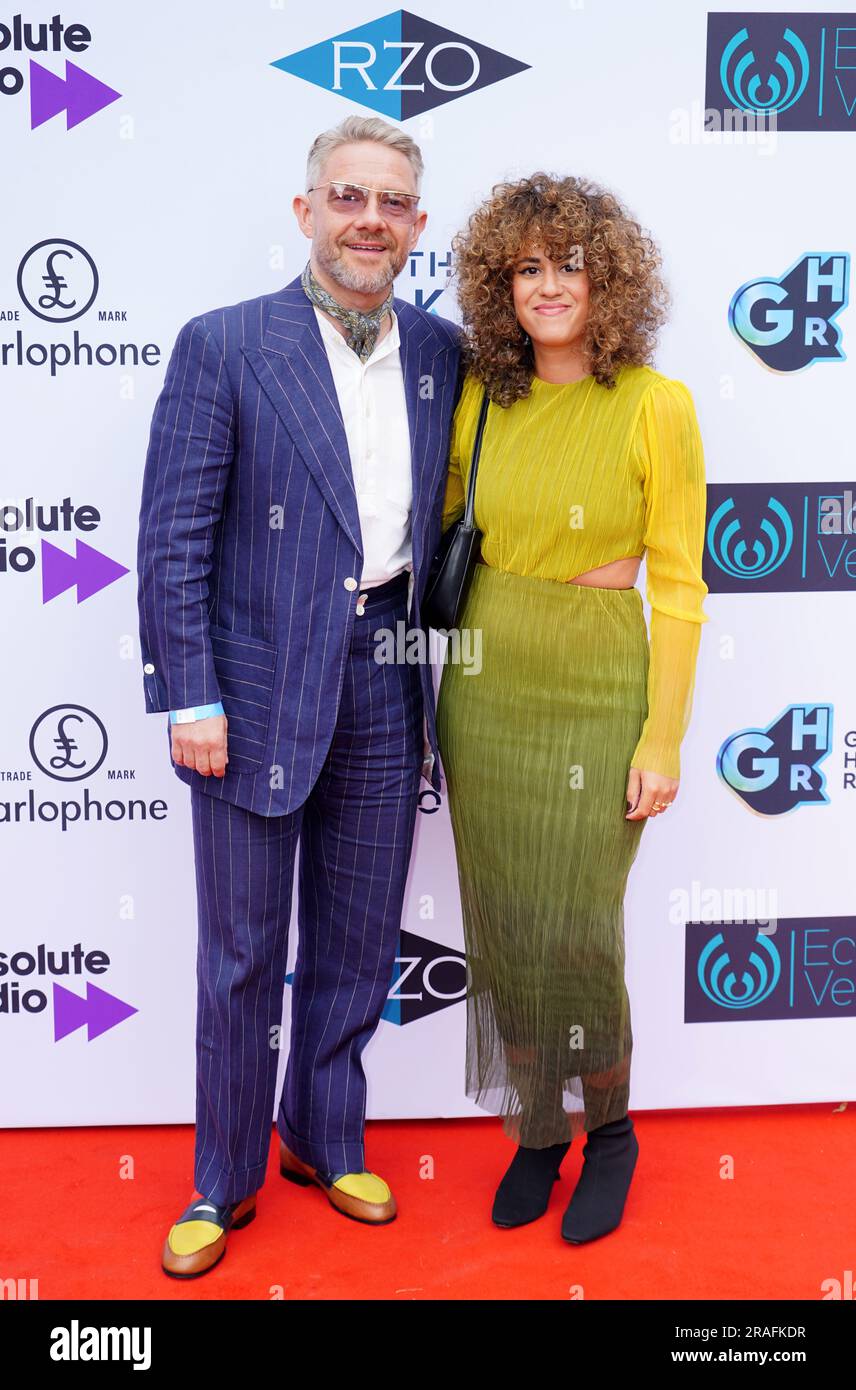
(363, 328)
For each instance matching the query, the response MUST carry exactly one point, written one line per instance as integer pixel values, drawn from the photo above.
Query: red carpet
(784, 1224)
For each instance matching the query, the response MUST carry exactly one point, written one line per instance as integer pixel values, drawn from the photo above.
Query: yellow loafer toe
(361, 1196)
(197, 1240)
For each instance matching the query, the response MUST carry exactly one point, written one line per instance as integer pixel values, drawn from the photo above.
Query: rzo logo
(400, 65)
(427, 978)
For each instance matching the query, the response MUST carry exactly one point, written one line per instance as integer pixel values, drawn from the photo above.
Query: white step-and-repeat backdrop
(150, 155)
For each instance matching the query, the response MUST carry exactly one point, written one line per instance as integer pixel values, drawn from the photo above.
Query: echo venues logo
(428, 977)
(69, 744)
(76, 92)
(58, 282)
(799, 967)
(26, 989)
(797, 68)
(780, 538)
(87, 571)
(774, 770)
(400, 65)
(787, 323)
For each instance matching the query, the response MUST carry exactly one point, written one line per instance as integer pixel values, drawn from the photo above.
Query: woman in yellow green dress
(561, 743)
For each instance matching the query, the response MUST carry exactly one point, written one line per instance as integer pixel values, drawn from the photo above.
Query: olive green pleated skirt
(536, 746)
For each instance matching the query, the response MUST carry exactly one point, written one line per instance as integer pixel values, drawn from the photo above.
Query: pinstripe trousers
(355, 833)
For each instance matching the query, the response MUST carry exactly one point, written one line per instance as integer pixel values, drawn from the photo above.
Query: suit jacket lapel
(419, 349)
(292, 367)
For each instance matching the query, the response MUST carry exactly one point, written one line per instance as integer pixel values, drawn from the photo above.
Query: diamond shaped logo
(400, 65)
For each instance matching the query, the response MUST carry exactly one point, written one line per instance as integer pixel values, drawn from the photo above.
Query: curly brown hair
(628, 299)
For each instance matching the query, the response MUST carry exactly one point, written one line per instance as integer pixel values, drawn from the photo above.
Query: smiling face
(551, 298)
(361, 252)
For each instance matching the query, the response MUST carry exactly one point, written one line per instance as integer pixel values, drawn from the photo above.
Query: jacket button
(149, 669)
(350, 584)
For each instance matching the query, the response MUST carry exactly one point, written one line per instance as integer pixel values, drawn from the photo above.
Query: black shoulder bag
(452, 567)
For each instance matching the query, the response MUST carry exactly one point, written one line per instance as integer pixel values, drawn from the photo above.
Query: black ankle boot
(597, 1205)
(524, 1192)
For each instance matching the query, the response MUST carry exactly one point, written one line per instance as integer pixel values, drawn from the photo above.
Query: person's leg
(597, 1205)
(354, 856)
(244, 876)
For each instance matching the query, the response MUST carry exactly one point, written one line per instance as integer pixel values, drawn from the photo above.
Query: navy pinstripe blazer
(249, 528)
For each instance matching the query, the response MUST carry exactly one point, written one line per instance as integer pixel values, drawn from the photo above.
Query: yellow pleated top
(576, 475)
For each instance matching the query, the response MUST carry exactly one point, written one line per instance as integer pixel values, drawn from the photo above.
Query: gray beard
(361, 283)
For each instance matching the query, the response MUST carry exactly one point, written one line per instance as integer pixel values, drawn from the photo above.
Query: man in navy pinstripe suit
(291, 506)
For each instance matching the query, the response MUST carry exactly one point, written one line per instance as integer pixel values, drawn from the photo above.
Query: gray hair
(354, 128)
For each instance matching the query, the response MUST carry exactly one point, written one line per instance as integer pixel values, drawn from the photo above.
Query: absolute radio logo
(87, 571)
(400, 65)
(76, 92)
(26, 989)
(57, 282)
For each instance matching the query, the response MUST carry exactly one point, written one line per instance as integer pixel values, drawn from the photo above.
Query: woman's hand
(648, 793)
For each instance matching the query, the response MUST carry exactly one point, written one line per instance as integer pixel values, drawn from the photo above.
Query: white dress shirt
(374, 411)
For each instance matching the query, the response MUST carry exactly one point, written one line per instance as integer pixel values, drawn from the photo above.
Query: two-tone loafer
(197, 1240)
(361, 1196)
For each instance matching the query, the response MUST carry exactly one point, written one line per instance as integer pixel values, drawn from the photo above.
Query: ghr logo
(774, 770)
(788, 323)
(400, 65)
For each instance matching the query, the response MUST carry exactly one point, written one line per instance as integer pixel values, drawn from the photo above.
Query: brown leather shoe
(362, 1196)
(197, 1240)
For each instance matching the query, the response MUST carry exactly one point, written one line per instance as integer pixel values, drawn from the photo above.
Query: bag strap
(469, 511)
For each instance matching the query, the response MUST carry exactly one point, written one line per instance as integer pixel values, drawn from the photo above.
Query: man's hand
(201, 745)
(648, 793)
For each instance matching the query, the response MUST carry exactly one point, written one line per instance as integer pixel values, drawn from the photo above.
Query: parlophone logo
(57, 280)
(776, 769)
(755, 982)
(68, 743)
(400, 65)
(794, 967)
(76, 92)
(787, 323)
(796, 69)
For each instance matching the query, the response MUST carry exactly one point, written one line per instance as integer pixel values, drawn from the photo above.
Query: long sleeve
(189, 458)
(463, 427)
(675, 502)
(453, 502)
